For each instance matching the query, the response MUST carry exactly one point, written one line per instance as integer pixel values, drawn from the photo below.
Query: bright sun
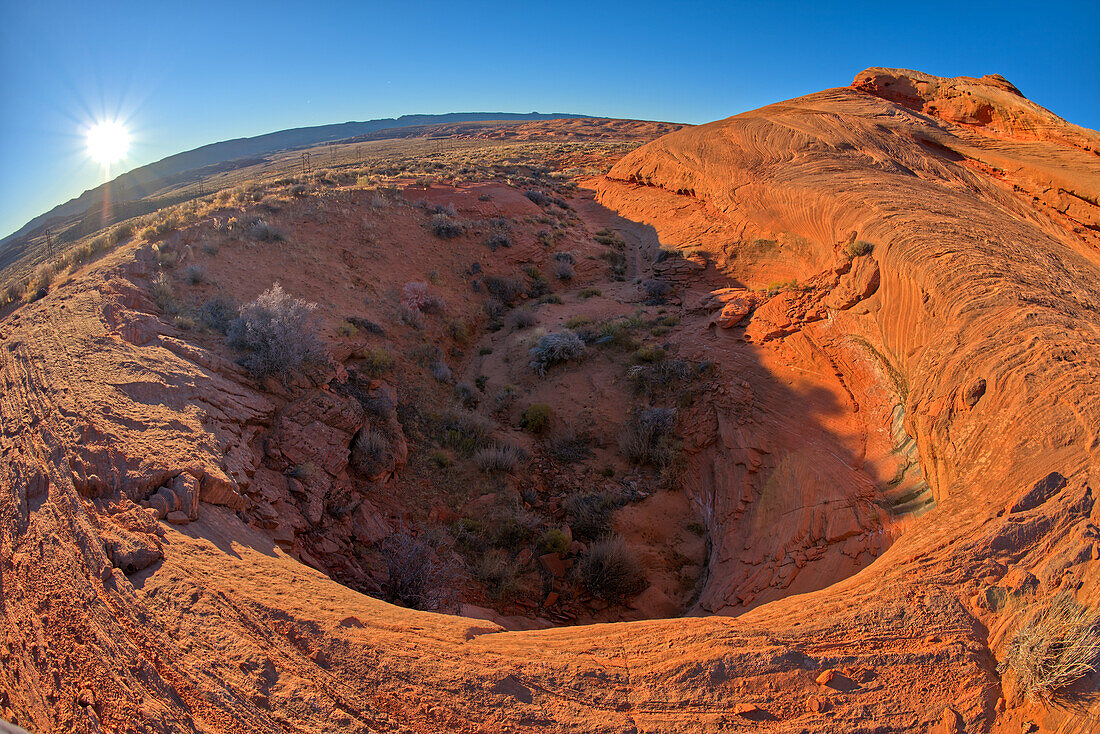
(108, 141)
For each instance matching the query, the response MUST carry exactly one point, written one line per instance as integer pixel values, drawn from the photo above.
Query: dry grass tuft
(1057, 643)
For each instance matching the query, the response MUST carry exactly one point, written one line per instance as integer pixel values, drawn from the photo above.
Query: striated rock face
(904, 437)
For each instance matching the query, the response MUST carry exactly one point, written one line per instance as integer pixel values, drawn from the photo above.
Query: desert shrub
(564, 270)
(183, 322)
(165, 255)
(414, 295)
(276, 331)
(646, 438)
(368, 451)
(859, 248)
(555, 348)
(218, 313)
(590, 292)
(495, 240)
(298, 190)
(121, 233)
(537, 197)
(522, 318)
(610, 571)
(537, 285)
(464, 431)
(616, 262)
(656, 291)
(417, 573)
(551, 298)
(536, 419)
(446, 228)
(502, 459)
(504, 398)
(410, 317)
(425, 354)
(460, 331)
(164, 293)
(564, 257)
(505, 290)
(779, 286)
(465, 395)
(590, 513)
(649, 355)
(367, 325)
(160, 227)
(270, 204)
(375, 361)
(194, 274)
(568, 447)
(434, 304)
(650, 379)
(440, 371)
(346, 329)
(263, 231)
(1056, 643)
(499, 573)
(553, 541)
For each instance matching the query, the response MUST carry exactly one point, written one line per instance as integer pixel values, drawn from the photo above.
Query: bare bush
(646, 439)
(164, 294)
(555, 348)
(610, 571)
(564, 270)
(218, 313)
(590, 513)
(419, 575)
(522, 318)
(369, 451)
(276, 329)
(499, 573)
(411, 317)
(195, 274)
(504, 459)
(446, 228)
(441, 372)
(505, 290)
(264, 231)
(1057, 643)
(568, 447)
(464, 431)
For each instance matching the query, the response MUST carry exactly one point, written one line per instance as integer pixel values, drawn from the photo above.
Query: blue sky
(189, 73)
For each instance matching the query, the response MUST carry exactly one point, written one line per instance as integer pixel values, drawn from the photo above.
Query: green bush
(859, 248)
(553, 541)
(536, 419)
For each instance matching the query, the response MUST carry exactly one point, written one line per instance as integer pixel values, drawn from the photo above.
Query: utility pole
(358, 157)
(49, 245)
(305, 163)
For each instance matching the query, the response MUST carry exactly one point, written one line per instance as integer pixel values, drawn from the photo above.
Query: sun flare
(108, 141)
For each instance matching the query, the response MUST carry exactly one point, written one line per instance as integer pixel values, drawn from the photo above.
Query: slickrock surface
(895, 443)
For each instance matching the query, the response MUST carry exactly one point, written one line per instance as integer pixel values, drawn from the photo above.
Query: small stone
(178, 518)
(744, 709)
(551, 599)
(816, 705)
(825, 678)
